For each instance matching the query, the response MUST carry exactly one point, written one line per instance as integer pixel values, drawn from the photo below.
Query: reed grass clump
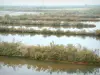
(97, 32)
(9, 49)
(51, 52)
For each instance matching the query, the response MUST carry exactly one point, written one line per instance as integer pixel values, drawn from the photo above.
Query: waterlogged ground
(21, 66)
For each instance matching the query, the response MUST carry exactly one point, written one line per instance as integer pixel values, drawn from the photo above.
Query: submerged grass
(52, 52)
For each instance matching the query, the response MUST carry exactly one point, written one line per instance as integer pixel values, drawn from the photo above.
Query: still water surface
(14, 13)
(21, 66)
(85, 41)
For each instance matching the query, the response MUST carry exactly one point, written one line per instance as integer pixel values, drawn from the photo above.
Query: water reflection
(16, 66)
(90, 42)
(94, 23)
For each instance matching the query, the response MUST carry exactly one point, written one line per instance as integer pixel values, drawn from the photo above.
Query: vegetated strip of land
(46, 31)
(52, 52)
(54, 17)
(47, 24)
(7, 19)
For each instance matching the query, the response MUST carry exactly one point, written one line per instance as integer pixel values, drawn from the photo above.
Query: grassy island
(46, 31)
(52, 52)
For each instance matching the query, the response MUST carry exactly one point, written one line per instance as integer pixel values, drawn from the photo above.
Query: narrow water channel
(85, 41)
